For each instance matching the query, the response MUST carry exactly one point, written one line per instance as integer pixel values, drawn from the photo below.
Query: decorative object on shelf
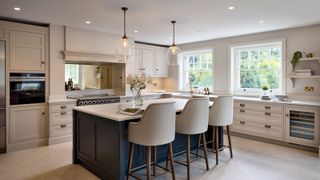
(173, 49)
(124, 45)
(138, 83)
(295, 59)
(308, 55)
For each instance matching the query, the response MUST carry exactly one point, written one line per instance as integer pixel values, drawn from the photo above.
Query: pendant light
(173, 49)
(125, 45)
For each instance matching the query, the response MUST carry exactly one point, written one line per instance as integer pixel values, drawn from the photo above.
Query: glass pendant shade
(173, 50)
(124, 45)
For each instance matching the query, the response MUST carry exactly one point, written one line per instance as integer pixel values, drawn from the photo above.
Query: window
(197, 70)
(257, 65)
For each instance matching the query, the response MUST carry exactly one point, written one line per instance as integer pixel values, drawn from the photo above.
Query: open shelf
(293, 77)
(310, 59)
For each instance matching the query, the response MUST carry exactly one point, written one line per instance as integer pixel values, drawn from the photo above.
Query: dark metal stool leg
(188, 155)
(205, 150)
(229, 139)
(199, 143)
(130, 160)
(217, 145)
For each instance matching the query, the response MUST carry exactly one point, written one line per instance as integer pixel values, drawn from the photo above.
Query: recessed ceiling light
(17, 9)
(135, 31)
(231, 7)
(88, 22)
(261, 21)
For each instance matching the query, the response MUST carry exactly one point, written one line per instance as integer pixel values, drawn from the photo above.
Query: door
(27, 51)
(302, 125)
(161, 64)
(148, 58)
(26, 123)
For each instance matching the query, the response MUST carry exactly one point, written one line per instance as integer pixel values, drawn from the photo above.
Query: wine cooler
(302, 125)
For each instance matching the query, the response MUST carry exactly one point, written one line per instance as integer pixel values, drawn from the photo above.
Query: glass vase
(137, 98)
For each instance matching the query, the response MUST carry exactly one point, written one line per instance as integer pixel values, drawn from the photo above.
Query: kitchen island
(100, 139)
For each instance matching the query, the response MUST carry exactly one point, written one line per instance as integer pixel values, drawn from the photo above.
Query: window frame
(182, 69)
(233, 71)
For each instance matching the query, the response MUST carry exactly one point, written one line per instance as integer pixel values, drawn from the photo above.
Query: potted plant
(265, 89)
(295, 59)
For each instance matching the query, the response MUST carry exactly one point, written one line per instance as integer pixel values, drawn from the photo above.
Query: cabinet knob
(267, 126)
(157, 69)
(242, 105)
(63, 113)
(63, 125)
(42, 62)
(63, 107)
(242, 110)
(242, 122)
(43, 113)
(287, 115)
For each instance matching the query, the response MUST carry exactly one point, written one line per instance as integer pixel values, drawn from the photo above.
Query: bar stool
(221, 114)
(156, 127)
(194, 120)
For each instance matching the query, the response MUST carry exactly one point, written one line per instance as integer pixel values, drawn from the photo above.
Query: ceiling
(196, 19)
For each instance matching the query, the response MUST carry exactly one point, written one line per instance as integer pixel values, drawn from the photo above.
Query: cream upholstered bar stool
(221, 115)
(156, 127)
(194, 120)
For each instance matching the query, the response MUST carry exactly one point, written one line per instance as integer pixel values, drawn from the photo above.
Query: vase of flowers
(137, 84)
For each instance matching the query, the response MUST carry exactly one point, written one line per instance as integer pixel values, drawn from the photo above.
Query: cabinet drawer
(260, 130)
(62, 107)
(61, 130)
(61, 115)
(258, 106)
(269, 118)
(55, 122)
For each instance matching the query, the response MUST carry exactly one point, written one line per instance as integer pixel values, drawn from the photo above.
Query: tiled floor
(252, 160)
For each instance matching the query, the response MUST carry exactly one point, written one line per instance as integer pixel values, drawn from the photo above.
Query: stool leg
(130, 160)
(199, 144)
(148, 162)
(217, 145)
(154, 160)
(171, 161)
(213, 138)
(205, 150)
(229, 138)
(188, 155)
(168, 157)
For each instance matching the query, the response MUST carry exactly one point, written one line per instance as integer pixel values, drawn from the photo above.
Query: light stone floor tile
(253, 160)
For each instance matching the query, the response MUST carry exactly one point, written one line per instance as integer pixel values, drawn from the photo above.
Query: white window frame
(233, 78)
(182, 70)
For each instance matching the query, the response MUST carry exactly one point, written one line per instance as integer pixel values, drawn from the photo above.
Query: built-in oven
(27, 88)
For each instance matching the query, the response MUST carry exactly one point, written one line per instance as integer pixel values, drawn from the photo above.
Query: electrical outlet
(154, 84)
(308, 89)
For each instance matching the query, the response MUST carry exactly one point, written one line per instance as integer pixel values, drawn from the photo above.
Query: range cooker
(83, 100)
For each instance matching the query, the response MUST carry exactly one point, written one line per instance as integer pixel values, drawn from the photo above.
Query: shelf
(310, 59)
(293, 77)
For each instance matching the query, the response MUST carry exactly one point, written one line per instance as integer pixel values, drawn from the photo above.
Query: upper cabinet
(151, 60)
(28, 51)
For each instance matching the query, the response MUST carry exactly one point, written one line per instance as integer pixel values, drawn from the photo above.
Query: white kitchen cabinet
(151, 60)
(27, 123)
(28, 50)
(302, 125)
(60, 121)
(259, 119)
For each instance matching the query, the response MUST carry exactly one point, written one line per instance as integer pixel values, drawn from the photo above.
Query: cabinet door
(148, 58)
(161, 64)
(27, 51)
(1, 33)
(26, 123)
(138, 62)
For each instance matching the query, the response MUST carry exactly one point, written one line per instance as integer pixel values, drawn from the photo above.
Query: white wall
(303, 39)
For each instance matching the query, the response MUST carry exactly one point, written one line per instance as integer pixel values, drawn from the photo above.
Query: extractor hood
(81, 57)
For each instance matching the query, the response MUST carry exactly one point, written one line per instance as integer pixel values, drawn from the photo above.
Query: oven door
(27, 91)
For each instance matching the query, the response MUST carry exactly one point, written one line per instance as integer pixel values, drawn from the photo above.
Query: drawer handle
(267, 126)
(267, 113)
(267, 107)
(43, 113)
(242, 110)
(242, 105)
(63, 107)
(242, 122)
(42, 62)
(63, 113)
(63, 125)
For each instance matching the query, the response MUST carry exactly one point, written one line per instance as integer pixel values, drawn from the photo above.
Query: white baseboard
(58, 140)
(26, 145)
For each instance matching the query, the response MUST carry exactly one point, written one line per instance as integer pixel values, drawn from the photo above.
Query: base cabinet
(27, 124)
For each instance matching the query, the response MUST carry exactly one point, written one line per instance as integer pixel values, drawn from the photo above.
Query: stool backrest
(194, 117)
(157, 125)
(221, 113)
